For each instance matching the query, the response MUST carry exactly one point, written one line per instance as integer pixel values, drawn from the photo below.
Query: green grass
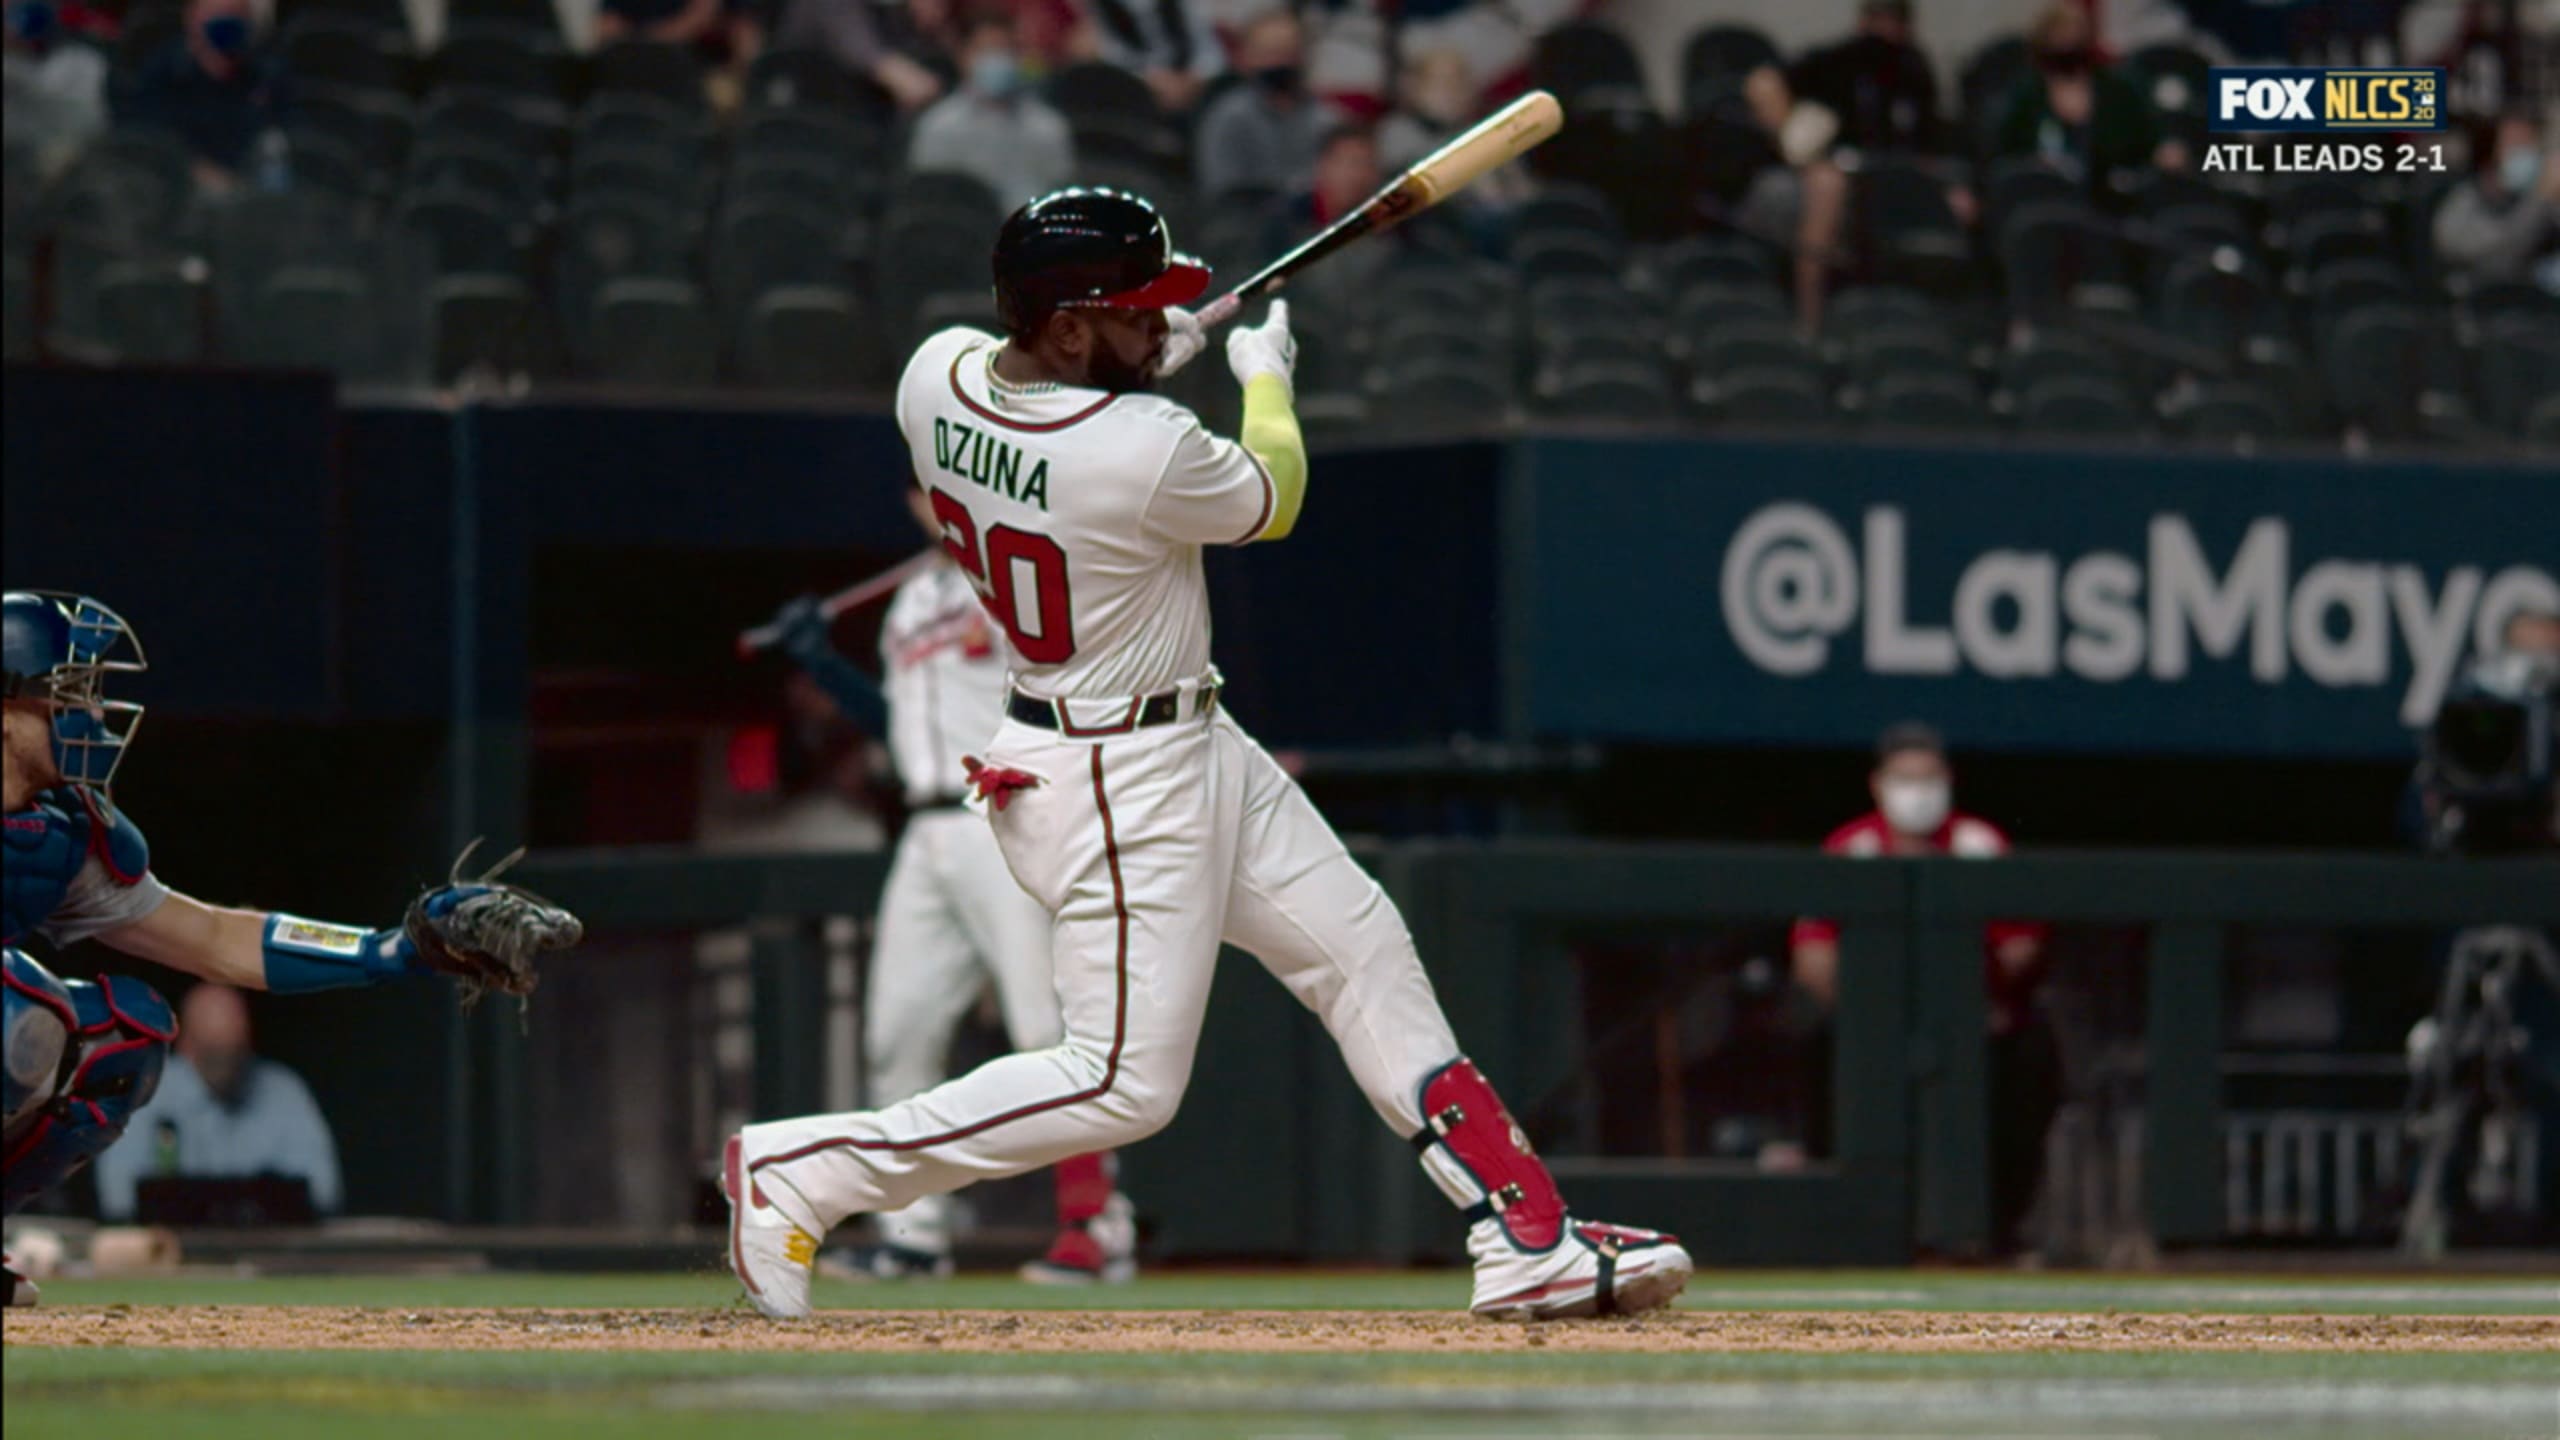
(1332, 1290)
(107, 1393)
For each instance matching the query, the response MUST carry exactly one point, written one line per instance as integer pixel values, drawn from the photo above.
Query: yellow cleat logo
(801, 1248)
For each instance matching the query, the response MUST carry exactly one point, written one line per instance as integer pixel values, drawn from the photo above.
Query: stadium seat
(1445, 340)
(2016, 182)
(2175, 78)
(323, 163)
(2217, 305)
(152, 312)
(1878, 351)
(1906, 231)
(1560, 254)
(645, 121)
(1758, 395)
(763, 243)
(1625, 391)
(2060, 258)
(493, 64)
(650, 330)
(529, 126)
(2334, 236)
(2542, 424)
(1984, 85)
(373, 15)
(1089, 88)
(507, 179)
(1614, 143)
(1752, 345)
(973, 306)
(1728, 261)
(606, 236)
(2343, 285)
(809, 337)
(2519, 369)
(1566, 207)
(813, 133)
(638, 170)
(2077, 405)
(962, 197)
(2375, 364)
(312, 317)
(2049, 354)
(803, 178)
(257, 233)
(787, 79)
(1707, 310)
(377, 124)
(1447, 395)
(459, 232)
(343, 52)
(1924, 400)
(485, 323)
(2232, 414)
(647, 67)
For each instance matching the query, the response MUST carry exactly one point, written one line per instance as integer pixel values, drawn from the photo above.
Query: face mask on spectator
(1914, 807)
(1277, 79)
(227, 35)
(2518, 169)
(32, 21)
(995, 74)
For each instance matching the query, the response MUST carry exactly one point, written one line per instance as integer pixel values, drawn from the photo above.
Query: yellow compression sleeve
(1271, 433)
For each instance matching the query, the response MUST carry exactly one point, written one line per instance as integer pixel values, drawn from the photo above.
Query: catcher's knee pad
(106, 1043)
(1480, 1157)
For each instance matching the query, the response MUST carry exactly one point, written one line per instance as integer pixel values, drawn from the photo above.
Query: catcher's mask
(58, 648)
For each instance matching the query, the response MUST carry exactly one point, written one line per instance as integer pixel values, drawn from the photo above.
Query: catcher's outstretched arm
(264, 950)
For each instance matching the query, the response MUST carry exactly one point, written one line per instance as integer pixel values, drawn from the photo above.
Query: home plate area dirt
(278, 1327)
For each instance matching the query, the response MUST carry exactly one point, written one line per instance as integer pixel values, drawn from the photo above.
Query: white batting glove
(1183, 341)
(1264, 349)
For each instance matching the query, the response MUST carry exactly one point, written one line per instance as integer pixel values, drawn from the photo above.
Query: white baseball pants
(1149, 848)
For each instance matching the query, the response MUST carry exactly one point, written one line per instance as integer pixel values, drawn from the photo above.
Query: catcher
(82, 1056)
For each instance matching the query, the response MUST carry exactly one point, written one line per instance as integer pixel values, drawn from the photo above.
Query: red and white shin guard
(1533, 1260)
(1097, 1241)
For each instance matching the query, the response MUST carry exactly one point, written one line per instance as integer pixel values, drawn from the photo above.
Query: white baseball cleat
(771, 1256)
(1592, 1269)
(1100, 1251)
(22, 1291)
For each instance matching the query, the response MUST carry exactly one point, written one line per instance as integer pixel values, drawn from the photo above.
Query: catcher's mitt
(485, 934)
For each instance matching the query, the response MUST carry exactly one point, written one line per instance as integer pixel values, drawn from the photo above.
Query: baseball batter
(951, 916)
(84, 1055)
(1146, 822)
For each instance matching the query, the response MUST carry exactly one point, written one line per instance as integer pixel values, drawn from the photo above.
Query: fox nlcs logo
(2299, 98)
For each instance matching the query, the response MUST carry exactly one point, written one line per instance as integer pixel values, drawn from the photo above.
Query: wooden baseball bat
(1502, 137)
(752, 643)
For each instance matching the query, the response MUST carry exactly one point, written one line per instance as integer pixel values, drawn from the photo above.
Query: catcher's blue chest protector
(46, 844)
(81, 1057)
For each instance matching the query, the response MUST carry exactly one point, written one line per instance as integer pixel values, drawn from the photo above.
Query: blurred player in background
(951, 916)
(1148, 824)
(83, 1055)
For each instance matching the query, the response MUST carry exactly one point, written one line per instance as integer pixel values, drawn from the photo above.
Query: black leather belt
(937, 802)
(1162, 708)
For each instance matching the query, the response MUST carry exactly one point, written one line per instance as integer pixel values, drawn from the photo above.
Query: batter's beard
(1109, 372)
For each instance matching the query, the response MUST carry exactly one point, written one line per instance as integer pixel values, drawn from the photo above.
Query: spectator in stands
(2505, 219)
(221, 1113)
(1347, 171)
(2086, 118)
(1876, 84)
(993, 127)
(1170, 44)
(1873, 92)
(850, 31)
(56, 91)
(215, 87)
(1264, 135)
(1915, 815)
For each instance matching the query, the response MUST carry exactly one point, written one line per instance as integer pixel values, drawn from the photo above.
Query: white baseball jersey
(1150, 836)
(1079, 515)
(943, 667)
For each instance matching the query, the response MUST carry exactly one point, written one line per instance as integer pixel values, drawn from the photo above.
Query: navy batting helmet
(58, 648)
(1073, 248)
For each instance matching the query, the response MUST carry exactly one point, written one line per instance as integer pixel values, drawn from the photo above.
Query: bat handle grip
(752, 643)
(1219, 311)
